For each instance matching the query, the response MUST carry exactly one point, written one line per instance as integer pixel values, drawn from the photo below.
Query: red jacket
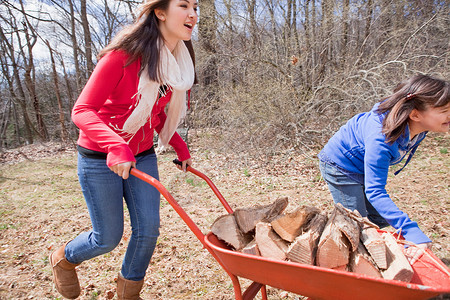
(107, 101)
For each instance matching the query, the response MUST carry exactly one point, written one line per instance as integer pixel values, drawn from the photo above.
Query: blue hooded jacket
(359, 149)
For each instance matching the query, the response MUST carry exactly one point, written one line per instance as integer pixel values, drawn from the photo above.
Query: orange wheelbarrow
(431, 276)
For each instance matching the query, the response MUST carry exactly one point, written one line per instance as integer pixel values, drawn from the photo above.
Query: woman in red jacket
(147, 66)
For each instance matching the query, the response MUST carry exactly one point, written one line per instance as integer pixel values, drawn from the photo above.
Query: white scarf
(176, 71)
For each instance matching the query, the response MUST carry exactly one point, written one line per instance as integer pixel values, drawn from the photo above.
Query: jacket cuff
(180, 147)
(415, 235)
(119, 154)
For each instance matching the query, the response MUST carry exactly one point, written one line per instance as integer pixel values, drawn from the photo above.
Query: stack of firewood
(340, 239)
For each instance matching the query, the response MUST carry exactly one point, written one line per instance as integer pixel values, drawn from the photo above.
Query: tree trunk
(16, 125)
(251, 10)
(308, 49)
(287, 30)
(74, 41)
(72, 128)
(30, 72)
(275, 34)
(4, 122)
(345, 34)
(326, 33)
(207, 28)
(67, 82)
(87, 39)
(8, 49)
(58, 95)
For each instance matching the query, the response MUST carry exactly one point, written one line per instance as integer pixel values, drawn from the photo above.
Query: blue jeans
(104, 192)
(349, 193)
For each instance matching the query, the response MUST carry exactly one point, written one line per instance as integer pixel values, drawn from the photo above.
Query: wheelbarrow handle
(179, 163)
(158, 185)
(209, 182)
(253, 289)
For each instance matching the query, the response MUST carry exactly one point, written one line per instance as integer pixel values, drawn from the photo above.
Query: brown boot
(128, 289)
(64, 274)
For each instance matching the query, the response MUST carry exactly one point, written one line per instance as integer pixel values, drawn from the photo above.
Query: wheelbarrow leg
(236, 287)
(250, 292)
(263, 293)
(253, 289)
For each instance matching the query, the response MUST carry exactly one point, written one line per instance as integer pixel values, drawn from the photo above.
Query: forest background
(276, 79)
(273, 74)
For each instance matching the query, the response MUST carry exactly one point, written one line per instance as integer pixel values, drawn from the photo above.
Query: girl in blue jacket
(356, 160)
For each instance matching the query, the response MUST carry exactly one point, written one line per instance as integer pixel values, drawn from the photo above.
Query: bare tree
(87, 39)
(75, 49)
(273, 73)
(251, 10)
(207, 28)
(30, 71)
(345, 33)
(63, 129)
(4, 122)
(8, 60)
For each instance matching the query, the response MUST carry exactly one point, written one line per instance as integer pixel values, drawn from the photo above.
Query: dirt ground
(41, 207)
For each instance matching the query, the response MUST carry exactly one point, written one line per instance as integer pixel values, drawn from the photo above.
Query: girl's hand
(123, 169)
(413, 253)
(184, 164)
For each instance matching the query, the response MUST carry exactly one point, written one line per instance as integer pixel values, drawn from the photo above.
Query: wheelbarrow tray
(430, 277)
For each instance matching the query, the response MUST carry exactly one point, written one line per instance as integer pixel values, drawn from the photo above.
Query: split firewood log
(247, 218)
(342, 268)
(375, 245)
(289, 225)
(347, 225)
(304, 248)
(251, 248)
(362, 263)
(226, 229)
(355, 215)
(339, 238)
(300, 250)
(398, 265)
(270, 244)
(334, 247)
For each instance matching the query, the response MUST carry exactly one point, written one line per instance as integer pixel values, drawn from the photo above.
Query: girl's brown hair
(418, 92)
(140, 39)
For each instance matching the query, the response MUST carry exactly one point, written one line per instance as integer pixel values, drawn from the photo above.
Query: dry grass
(42, 206)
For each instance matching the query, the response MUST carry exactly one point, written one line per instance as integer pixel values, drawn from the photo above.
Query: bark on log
(398, 265)
(355, 215)
(347, 225)
(375, 245)
(289, 225)
(226, 229)
(362, 263)
(269, 243)
(247, 218)
(304, 248)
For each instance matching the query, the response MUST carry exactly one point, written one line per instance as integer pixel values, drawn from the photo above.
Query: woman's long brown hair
(419, 92)
(140, 39)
